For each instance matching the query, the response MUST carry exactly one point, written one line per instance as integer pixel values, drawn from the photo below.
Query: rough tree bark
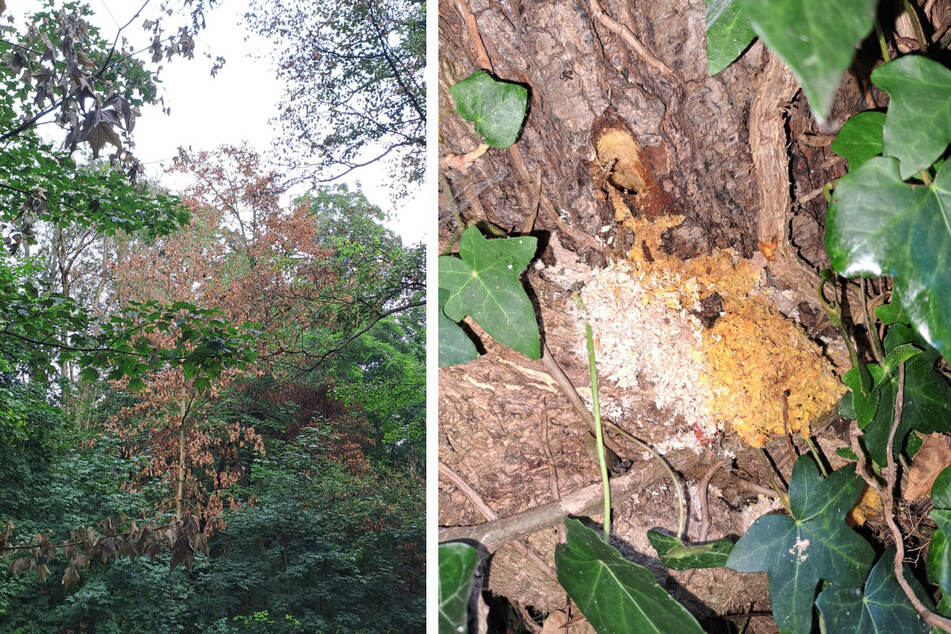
(738, 155)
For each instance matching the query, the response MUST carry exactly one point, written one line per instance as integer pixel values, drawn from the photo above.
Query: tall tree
(253, 260)
(59, 69)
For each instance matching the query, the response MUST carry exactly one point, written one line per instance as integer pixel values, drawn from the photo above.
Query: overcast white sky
(235, 106)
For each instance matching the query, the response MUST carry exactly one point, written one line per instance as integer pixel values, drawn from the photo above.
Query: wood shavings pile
(732, 376)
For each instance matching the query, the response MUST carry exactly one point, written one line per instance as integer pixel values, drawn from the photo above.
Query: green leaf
(918, 124)
(814, 544)
(89, 374)
(942, 518)
(484, 284)
(944, 609)
(938, 562)
(728, 33)
(455, 346)
(497, 107)
(457, 564)
(883, 607)
(926, 406)
(846, 407)
(846, 454)
(815, 38)
(896, 357)
(941, 490)
(860, 138)
(614, 594)
(676, 556)
(889, 313)
(879, 225)
(864, 405)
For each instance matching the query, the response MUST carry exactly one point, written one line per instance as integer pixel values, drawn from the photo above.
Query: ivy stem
(833, 311)
(870, 326)
(881, 40)
(682, 525)
(772, 480)
(916, 22)
(925, 177)
(598, 431)
(815, 454)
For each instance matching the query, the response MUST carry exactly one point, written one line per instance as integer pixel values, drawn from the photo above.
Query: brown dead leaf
(101, 134)
(931, 459)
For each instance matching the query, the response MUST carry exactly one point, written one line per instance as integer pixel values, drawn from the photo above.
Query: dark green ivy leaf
(457, 564)
(941, 490)
(918, 124)
(455, 346)
(814, 544)
(879, 225)
(883, 607)
(889, 313)
(815, 38)
(846, 454)
(496, 107)
(860, 138)
(483, 283)
(676, 556)
(728, 33)
(616, 595)
(926, 406)
(938, 562)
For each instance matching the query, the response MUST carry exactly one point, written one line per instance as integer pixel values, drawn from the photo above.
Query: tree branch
(495, 533)
(349, 340)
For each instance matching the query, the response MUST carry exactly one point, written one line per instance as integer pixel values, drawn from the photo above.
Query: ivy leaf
(614, 594)
(943, 608)
(457, 564)
(895, 357)
(926, 406)
(938, 562)
(455, 346)
(864, 406)
(918, 124)
(942, 518)
(846, 407)
(815, 543)
(484, 284)
(815, 38)
(883, 607)
(889, 313)
(846, 454)
(860, 138)
(728, 33)
(879, 225)
(676, 556)
(496, 107)
(941, 490)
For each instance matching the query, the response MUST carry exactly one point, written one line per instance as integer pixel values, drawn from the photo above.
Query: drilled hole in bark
(618, 148)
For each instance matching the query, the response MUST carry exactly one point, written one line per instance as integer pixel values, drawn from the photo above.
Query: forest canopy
(211, 400)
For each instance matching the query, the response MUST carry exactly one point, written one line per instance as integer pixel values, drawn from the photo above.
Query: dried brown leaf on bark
(931, 459)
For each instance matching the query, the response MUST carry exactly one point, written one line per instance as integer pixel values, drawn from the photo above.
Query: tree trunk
(180, 482)
(738, 155)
